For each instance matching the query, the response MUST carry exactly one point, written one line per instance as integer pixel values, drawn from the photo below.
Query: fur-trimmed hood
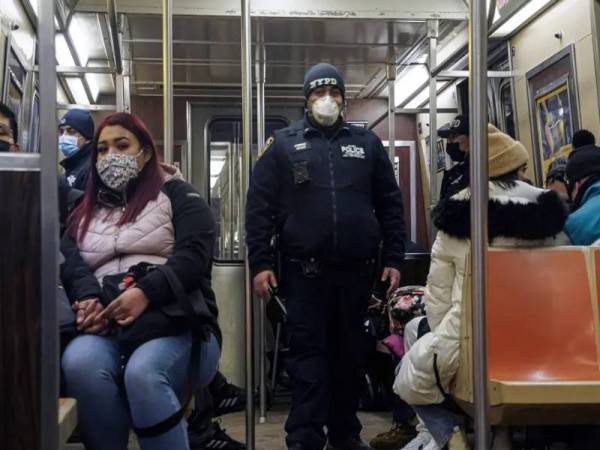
(521, 211)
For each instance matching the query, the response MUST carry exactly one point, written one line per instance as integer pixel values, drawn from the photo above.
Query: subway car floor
(270, 436)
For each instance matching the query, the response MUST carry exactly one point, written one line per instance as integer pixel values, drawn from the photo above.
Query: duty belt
(312, 267)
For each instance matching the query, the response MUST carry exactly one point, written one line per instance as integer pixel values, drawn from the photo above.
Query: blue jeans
(439, 420)
(150, 388)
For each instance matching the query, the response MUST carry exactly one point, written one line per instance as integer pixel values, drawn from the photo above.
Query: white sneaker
(419, 442)
(432, 445)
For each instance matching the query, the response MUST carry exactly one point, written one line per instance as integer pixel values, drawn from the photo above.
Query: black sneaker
(228, 399)
(215, 439)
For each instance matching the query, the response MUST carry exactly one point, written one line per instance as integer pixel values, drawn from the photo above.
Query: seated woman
(519, 215)
(136, 210)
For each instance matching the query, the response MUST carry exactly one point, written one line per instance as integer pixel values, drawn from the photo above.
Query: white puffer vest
(110, 249)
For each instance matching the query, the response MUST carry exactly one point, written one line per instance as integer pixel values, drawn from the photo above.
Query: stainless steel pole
(260, 140)
(120, 92)
(479, 207)
(49, 230)
(246, 36)
(111, 6)
(432, 34)
(391, 79)
(391, 76)
(167, 41)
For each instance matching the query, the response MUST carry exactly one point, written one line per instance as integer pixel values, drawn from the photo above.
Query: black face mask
(454, 152)
(5, 146)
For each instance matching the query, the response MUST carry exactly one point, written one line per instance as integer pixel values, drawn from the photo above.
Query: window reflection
(225, 157)
(224, 196)
(507, 109)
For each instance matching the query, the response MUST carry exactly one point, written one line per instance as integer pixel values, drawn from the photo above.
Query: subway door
(216, 158)
(407, 171)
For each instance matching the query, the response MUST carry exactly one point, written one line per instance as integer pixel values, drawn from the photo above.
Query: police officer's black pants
(325, 316)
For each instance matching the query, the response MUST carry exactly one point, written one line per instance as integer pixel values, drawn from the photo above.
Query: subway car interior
(213, 81)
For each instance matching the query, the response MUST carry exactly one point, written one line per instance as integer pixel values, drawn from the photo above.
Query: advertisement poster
(554, 121)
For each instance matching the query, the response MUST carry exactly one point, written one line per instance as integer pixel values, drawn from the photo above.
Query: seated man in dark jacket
(9, 130)
(457, 177)
(583, 186)
(76, 132)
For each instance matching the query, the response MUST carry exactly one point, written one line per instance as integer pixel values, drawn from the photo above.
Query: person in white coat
(519, 215)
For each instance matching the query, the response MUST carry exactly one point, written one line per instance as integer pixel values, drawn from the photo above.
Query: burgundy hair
(146, 187)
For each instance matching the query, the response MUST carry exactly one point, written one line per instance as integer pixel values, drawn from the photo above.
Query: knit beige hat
(504, 153)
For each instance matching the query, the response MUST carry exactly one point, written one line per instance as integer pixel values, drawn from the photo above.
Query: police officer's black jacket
(331, 199)
(455, 179)
(77, 167)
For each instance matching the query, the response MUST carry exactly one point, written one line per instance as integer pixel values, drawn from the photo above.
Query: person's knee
(411, 332)
(142, 377)
(85, 362)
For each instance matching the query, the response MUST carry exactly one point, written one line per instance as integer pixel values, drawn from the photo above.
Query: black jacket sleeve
(77, 277)
(194, 241)
(262, 211)
(389, 209)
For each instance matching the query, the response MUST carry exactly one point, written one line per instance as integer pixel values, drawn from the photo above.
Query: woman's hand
(126, 307)
(88, 316)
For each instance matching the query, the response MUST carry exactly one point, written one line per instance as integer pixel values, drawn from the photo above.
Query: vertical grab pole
(49, 231)
(391, 79)
(246, 35)
(167, 41)
(479, 207)
(260, 140)
(432, 34)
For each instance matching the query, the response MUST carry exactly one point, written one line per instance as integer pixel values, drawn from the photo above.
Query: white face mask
(325, 110)
(116, 171)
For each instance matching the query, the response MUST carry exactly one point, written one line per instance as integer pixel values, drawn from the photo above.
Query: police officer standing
(457, 146)
(328, 190)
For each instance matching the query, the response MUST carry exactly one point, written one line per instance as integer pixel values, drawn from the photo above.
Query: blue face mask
(68, 145)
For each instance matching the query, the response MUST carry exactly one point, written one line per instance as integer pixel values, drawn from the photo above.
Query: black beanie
(81, 121)
(323, 74)
(583, 162)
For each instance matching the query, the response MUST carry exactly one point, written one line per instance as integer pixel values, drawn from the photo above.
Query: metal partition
(29, 275)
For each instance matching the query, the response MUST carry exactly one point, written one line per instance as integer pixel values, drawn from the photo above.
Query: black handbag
(183, 315)
(187, 314)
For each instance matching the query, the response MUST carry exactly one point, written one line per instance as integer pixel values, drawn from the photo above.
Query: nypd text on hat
(353, 151)
(455, 123)
(323, 82)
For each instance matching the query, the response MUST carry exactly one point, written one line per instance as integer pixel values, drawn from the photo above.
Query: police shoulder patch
(267, 146)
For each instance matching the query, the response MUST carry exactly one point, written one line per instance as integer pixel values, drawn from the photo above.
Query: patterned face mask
(116, 171)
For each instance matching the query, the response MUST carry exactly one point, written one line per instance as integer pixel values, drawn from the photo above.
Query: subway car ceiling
(206, 46)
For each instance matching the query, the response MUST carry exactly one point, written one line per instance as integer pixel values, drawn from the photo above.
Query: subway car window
(15, 84)
(224, 175)
(506, 105)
